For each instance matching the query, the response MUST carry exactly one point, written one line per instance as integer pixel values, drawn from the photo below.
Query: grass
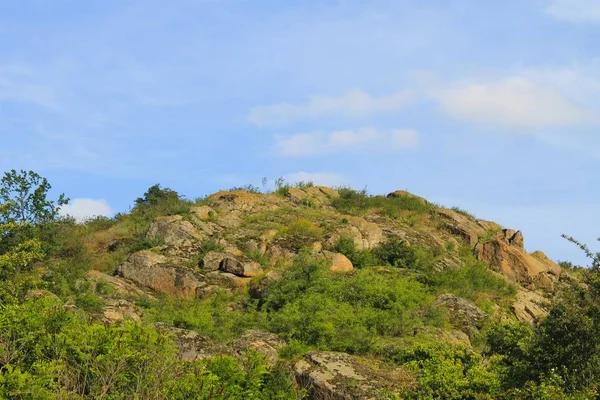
(355, 202)
(463, 212)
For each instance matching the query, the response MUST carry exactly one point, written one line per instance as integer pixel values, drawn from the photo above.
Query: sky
(491, 105)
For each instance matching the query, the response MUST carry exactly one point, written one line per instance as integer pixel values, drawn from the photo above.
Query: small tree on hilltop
(24, 195)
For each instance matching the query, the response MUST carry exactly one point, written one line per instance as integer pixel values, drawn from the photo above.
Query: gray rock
(265, 343)
(340, 376)
(463, 314)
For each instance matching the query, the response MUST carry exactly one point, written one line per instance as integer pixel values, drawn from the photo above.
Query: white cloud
(355, 103)
(323, 143)
(19, 83)
(82, 209)
(515, 102)
(575, 10)
(318, 178)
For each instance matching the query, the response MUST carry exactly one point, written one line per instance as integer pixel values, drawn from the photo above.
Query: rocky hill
(240, 248)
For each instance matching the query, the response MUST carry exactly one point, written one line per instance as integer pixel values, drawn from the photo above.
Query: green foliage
(356, 202)
(300, 233)
(159, 201)
(26, 195)
(47, 353)
(16, 276)
(359, 258)
(246, 188)
(463, 212)
(512, 345)
(143, 243)
(346, 312)
(472, 281)
(282, 187)
(489, 235)
(448, 371)
(396, 253)
(208, 246)
(212, 317)
(568, 343)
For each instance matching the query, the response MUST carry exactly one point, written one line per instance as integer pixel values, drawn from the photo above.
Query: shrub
(396, 253)
(359, 258)
(472, 281)
(356, 202)
(346, 312)
(448, 371)
(463, 212)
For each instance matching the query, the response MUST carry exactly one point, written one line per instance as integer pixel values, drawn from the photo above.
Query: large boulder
(226, 279)
(462, 313)
(403, 193)
(265, 343)
(465, 227)
(339, 262)
(243, 202)
(174, 228)
(116, 311)
(366, 235)
(238, 265)
(154, 271)
(340, 376)
(203, 213)
(115, 285)
(318, 196)
(504, 252)
(530, 307)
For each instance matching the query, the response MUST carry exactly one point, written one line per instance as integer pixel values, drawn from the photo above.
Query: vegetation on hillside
(52, 345)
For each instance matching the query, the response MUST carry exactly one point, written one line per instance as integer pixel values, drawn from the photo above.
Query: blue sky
(490, 105)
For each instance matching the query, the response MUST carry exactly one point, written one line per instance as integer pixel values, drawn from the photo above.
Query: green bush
(346, 312)
(448, 371)
(359, 258)
(47, 352)
(357, 202)
(472, 281)
(396, 253)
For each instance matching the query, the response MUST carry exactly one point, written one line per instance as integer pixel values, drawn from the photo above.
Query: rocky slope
(235, 241)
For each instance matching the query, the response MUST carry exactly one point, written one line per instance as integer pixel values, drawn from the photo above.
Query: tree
(25, 196)
(15, 261)
(156, 195)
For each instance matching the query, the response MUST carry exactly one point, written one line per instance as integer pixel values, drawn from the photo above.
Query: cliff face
(239, 242)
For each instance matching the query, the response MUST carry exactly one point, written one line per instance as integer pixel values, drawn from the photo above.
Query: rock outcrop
(340, 376)
(313, 195)
(119, 286)
(238, 265)
(154, 271)
(173, 228)
(530, 306)
(462, 313)
(339, 262)
(116, 311)
(366, 235)
(504, 252)
(265, 343)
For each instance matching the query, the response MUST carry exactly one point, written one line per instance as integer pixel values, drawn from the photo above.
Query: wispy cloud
(364, 139)
(19, 83)
(575, 10)
(82, 209)
(355, 103)
(515, 102)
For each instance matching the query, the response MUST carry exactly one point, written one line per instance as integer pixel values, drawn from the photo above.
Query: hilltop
(304, 291)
